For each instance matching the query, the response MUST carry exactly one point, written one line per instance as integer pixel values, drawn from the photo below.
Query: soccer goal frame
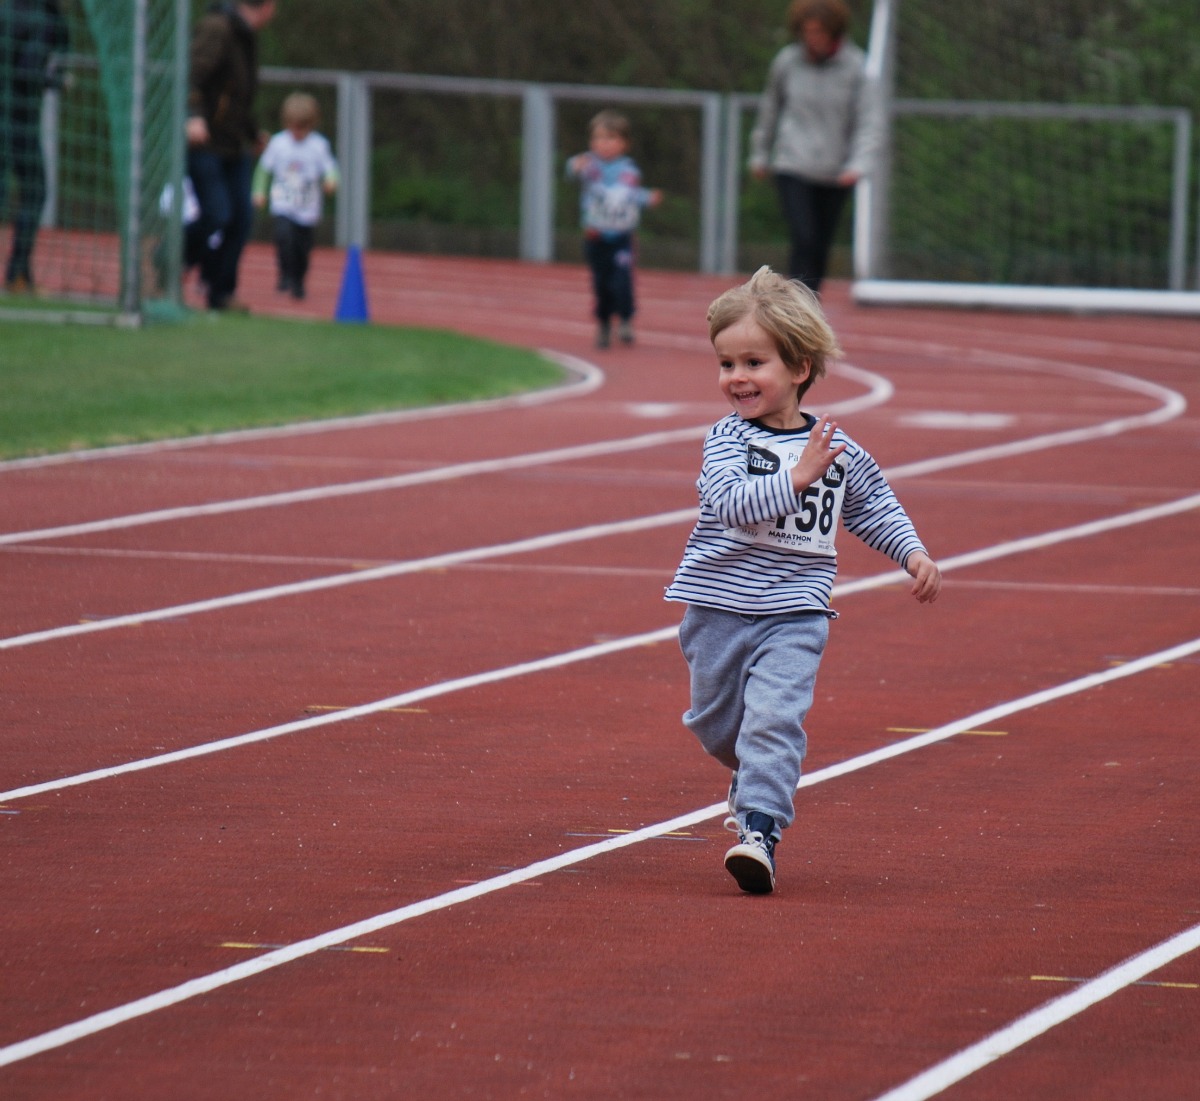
(873, 283)
(109, 243)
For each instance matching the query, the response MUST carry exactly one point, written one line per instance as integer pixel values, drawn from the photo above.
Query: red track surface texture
(498, 875)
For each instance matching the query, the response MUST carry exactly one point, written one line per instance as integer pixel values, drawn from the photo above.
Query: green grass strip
(64, 387)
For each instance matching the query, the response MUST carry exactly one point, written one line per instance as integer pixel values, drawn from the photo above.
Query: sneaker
(732, 804)
(752, 860)
(625, 332)
(603, 336)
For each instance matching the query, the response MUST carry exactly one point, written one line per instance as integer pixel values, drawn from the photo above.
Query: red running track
(499, 875)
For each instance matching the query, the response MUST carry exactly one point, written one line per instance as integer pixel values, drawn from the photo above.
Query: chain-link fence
(91, 135)
(1040, 144)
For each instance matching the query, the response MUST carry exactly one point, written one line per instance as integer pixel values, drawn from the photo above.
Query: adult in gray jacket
(817, 130)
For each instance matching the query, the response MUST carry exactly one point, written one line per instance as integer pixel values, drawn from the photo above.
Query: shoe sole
(747, 864)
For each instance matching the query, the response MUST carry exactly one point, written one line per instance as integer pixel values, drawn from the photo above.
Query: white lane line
(222, 557)
(1035, 1023)
(1172, 405)
(356, 564)
(1024, 585)
(948, 420)
(1035, 443)
(1076, 531)
(204, 984)
(544, 542)
(879, 390)
(354, 577)
(588, 378)
(405, 699)
(370, 485)
(982, 719)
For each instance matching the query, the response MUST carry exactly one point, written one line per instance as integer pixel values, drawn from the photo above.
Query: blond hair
(300, 112)
(788, 312)
(612, 121)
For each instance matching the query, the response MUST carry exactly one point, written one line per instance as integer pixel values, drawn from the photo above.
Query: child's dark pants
(611, 262)
(293, 246)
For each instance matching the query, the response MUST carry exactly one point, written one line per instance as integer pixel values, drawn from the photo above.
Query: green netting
(102, 96)
(1041, 199)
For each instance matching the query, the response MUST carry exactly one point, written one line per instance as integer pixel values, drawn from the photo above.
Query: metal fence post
(711, 188)
(51, 139)
(1177, 265)
(130, 296)
(537, 174)
(735, 105)
(872, 196)
(352, 220)
(358, 164)
(343, 220)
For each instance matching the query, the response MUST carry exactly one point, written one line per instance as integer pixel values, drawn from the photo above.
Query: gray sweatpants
(752, 686)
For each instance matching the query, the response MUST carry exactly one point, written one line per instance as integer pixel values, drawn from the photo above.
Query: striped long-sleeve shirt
(761, 548)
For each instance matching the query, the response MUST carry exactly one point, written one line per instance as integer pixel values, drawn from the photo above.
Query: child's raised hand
(927, 578)
(818, 454)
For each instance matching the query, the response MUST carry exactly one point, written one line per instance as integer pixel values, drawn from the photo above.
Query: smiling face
(755, 380)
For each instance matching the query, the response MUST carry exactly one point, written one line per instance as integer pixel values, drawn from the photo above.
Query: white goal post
(996, 202)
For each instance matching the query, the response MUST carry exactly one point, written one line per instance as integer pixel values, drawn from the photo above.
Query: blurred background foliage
(446, 168)
(700, 44)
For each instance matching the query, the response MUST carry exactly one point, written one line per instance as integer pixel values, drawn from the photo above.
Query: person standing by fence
(817, 131)
(223, 140)
(32, 32)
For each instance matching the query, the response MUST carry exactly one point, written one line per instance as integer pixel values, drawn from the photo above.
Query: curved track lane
(348, 763)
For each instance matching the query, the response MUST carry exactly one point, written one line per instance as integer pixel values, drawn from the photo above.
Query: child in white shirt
(301, 169)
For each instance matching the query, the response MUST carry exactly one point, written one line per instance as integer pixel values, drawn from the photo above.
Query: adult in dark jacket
(224, 140)
(32, 32)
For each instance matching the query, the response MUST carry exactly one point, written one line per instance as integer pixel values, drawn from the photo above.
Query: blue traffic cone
(352, 298)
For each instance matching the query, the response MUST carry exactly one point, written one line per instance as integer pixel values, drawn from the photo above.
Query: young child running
(301, 169)
(758, 570)
(610, 201)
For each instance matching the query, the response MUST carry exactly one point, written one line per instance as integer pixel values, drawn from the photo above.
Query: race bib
(812, 529)
(612, 209)
(292, 191)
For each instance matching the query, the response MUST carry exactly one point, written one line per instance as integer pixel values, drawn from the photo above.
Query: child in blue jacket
(611, 201)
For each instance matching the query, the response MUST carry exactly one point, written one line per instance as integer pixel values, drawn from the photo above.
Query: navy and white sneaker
(752, 860)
